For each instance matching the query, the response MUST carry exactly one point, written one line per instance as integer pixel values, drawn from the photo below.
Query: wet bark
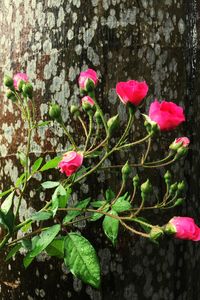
(153, 40)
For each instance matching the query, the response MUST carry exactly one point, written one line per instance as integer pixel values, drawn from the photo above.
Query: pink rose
(167, 115)
(132, 91)
(17, 79)
(71, 162)
(87, 99)
(185, 228)
(85, 76)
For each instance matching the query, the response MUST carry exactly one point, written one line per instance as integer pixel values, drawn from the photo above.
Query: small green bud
(179, 202)
(181, 186)
(113, 124)
(55, 112)
(97, 116)
(8, 81)
(168, 177)
(20, 85)
(136, 181)
(155, 233)
(182, 151)
(173, 188)
(146, 187)
(74, 109)
(27, 90)
(126, 170)
(10, 95)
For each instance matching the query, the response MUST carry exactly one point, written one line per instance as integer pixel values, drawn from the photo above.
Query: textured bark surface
(153, 40)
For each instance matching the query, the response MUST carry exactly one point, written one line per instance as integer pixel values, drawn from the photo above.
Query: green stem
(89, 132)
(83, 125)
(160, 161)
(147, 151)
(98, 108)
(134, 231)
(136, 142)
(119, 193)
(128, 127)
(68, 135)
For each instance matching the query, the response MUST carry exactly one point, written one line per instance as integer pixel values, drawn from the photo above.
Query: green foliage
(13, 251)
(111, 226)
(37, 165)
(56, 248)
(51, 164)
(122, 204)
(50, 184)
(71, 215)
(39, 243)
(80, 257)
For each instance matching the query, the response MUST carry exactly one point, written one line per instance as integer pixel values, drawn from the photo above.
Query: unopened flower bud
(179, 202)
(97, 116)
(155, 233)
(10, 95)
(151, 126)
(146, 189)
(182, 151)
(126, 170)
(113, 124)
(173, 188)
(180, 142)
(8, 81)
(167, 177)
(55, 112)
(181, 186)
(136, 181)
(74, 109)
(86, 106)
(27, 90)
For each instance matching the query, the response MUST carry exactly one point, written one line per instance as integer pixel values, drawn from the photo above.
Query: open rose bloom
(18, 78)
(167, 115)
(71, 162)
(132, 91)
(85, 76)
(185, 228)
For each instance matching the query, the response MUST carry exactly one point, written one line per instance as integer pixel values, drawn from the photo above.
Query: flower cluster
(100, 139)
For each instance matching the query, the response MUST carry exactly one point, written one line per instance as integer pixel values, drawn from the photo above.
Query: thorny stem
(83, 125)
(128, 127)
(68, 135)
(89, 132)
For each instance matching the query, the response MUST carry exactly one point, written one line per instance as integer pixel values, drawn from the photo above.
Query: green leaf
(60, 198)
(111, 226)
(50, 184)
(22, 157)
(56, 248)
(26, 227)
(7, 220)
(81, 259)
(73, 213)
(42, 124)
(6, 192)
(96, 216)
(40, 243)
(7, 203)
(110, 195)
(13, 251)
(20, 180)
(51, 164)
(36, 164)
(41, 215)
(121, 205)
(98, 203)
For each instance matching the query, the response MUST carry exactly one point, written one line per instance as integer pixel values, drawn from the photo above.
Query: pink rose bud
(18, 79)
(132, 91)
(185, 228)
(180, 142)
(87, 100)
(70, 163)
(86, 78)
(167, 115)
